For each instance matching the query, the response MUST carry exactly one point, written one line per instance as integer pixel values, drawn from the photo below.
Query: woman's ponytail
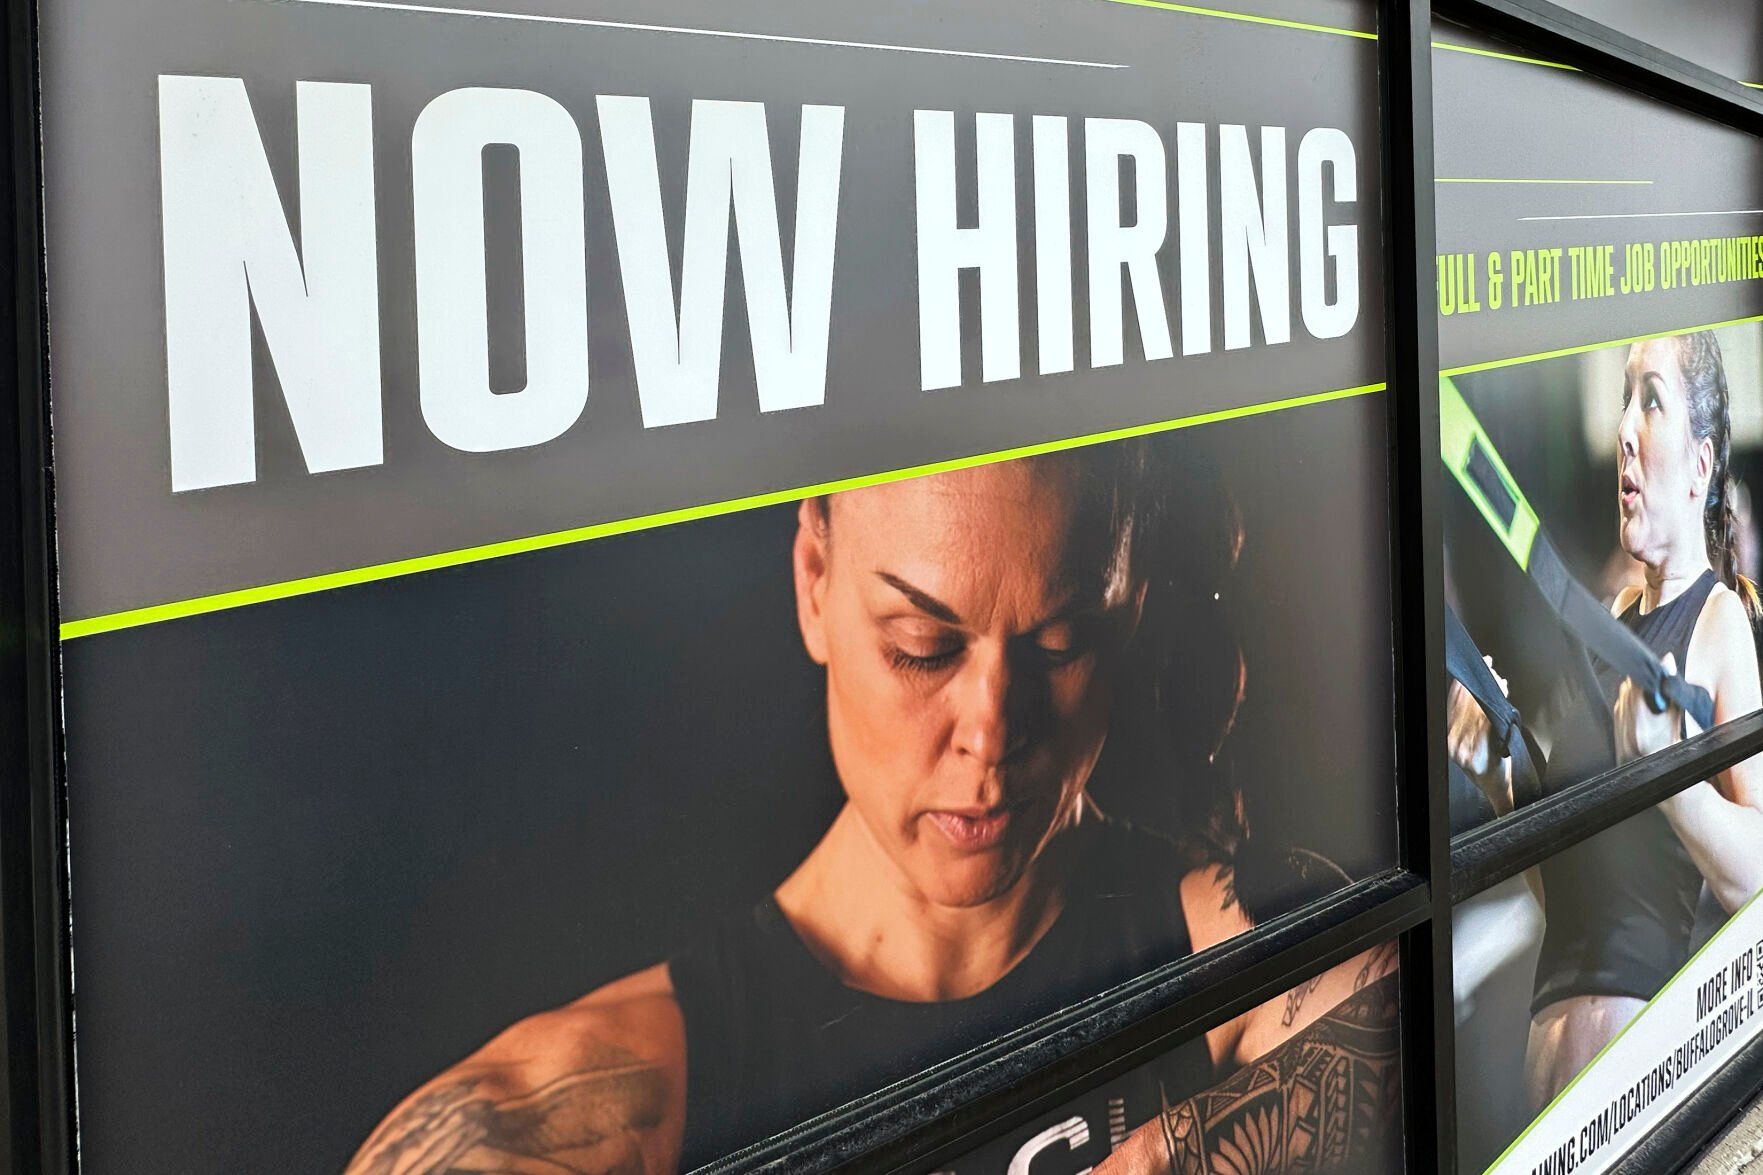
(1710, 413)
(1726, 559)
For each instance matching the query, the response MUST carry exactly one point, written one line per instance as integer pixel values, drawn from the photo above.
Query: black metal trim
(1549, 30)
(34, 965)
(1405, 93)
(1502, 848)
(1690, 1126)
(963, 1103)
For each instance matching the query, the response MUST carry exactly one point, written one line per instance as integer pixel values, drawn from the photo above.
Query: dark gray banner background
(1723, 35)
(126, 541)
(1508, 120)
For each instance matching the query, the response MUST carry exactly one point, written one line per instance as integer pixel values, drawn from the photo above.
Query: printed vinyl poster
(1601, 420)
(1324, 1100)
(633, 574)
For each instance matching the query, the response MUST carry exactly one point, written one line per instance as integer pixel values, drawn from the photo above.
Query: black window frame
(961, 1103)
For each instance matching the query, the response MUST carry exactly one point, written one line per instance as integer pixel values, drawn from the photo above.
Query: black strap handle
(1463, 662)
(1611, 641)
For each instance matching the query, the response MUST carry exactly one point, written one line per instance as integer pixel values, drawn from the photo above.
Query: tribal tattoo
(1379, 961)
(1295, 1000)
(1328, 1100)
(588, 1122)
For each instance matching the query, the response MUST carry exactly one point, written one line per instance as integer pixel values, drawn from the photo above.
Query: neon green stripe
(1302, 26)
(1333, 30)
(1491, 364)
(1503, 56)
(1460, 434)
(157, 613)
(1578, 1077)
(1753, 85)
(1480, 180)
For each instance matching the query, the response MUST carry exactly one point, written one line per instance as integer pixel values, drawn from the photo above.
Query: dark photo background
(323, 847)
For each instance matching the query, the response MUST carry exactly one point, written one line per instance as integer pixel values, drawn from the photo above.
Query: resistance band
(1472, 460)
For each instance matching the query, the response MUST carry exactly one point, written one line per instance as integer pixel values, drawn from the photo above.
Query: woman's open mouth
(1629, 494)
(972, 829)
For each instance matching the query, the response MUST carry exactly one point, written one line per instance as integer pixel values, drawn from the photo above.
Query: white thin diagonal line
(1646, 215)
(632, 26)
(1572, 182)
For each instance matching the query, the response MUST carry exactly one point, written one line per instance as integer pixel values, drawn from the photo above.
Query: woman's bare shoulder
(1724, 611)
(596, 1084)
(1209, 902)
(1723, 639)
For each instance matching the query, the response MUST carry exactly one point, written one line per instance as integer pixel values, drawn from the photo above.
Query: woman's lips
(972, 830)
(1628, 495)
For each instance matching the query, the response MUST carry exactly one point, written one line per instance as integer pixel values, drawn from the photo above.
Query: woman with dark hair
(974, 628)
(1621, 907)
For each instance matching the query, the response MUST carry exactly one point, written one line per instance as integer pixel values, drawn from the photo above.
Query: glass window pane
(1595, 992)
(674, 565)
(1309, 1081)
(1601, 331)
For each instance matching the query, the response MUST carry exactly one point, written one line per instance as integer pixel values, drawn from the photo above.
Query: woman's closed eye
(1064, 642)
(914, 648)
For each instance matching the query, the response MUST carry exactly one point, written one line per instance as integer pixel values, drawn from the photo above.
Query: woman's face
(1662, 472)
(970, 624)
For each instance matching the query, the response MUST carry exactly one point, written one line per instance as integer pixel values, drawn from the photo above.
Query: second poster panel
(1601, 426)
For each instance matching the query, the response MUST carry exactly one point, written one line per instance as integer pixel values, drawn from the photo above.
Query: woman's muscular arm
(595, 1088)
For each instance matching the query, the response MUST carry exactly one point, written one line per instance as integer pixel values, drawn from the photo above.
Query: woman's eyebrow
(922, 600)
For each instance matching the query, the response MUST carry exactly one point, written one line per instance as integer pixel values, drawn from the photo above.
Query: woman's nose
(986, 727)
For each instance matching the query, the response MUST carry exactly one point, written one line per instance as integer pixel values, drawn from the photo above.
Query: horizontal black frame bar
(1549, 30)
(1503, 848)
(965, 1102)
(1688, 1129)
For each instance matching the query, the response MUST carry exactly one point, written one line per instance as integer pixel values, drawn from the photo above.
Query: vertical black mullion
(1405, 94)
(34, 970)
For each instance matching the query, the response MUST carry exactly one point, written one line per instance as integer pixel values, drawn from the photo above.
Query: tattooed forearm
(588, 1122)
(1329, 1099)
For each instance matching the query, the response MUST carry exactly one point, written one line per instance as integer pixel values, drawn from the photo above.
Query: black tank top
(774, 1038)
(1621, 906)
